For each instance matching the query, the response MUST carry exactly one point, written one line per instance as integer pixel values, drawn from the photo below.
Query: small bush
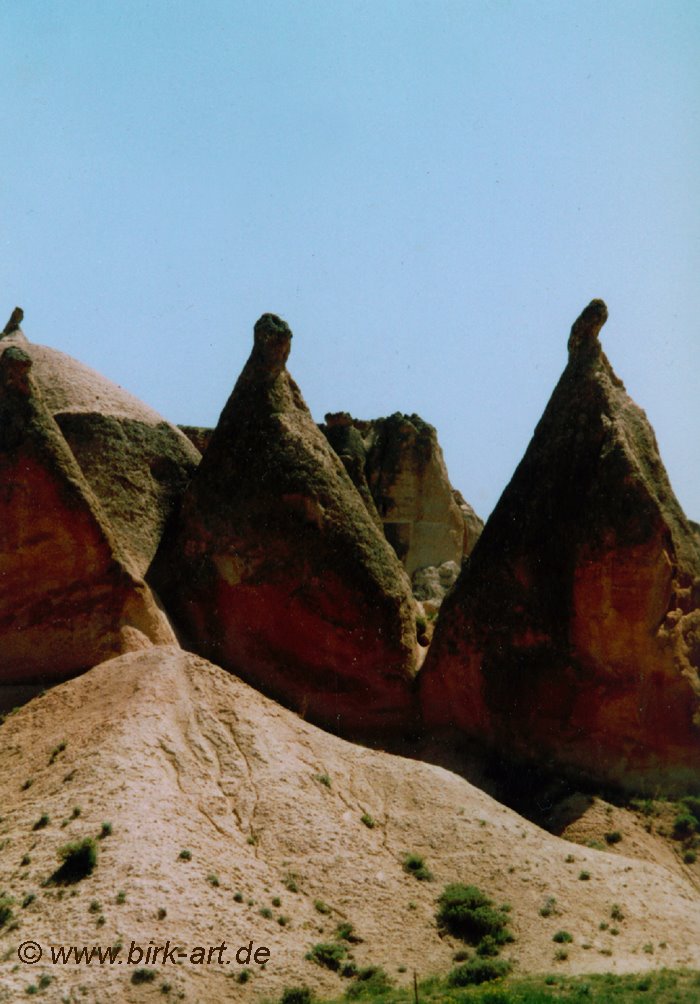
(413, 864)
(321, 907)
(95, 906)
(121, 897)
(550, 907)
(616, 912)
(290, 882)
(468, 913)
(367, 820)
(369, 982)
(26, 860)
(614, 837)
(162, 913)
(28, 900)
(684, 825)
(238, 897)
(692, 804)
(324, 780)
(488, 947)
(6, 912)
(243, 976)
(346, 932)
(143, 976)
(41, 822)
(562, 937)
(277, 901)
(185, 855)
(78, 858)
(296, 995)
(266, 912)
(327, 954)
(561, 955)
(105, 830)
(213, 880)
(584, 876)
(689, 857)
(479, 971)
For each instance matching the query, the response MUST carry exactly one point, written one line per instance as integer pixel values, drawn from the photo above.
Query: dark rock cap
(586, 327)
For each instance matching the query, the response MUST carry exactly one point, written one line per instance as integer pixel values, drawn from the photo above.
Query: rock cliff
(275, 570)
(572, 637)
(135, 462)
(397, 466)
(69, 595)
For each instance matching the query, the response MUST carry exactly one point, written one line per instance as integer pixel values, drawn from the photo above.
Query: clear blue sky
(428, 192)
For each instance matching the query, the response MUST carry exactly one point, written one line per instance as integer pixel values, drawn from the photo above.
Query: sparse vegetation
(479, 971)
(321, 907)
(105, 831)
(328, 954)
(367, 820)
(346, 932)
(616, 912)
(372, 981)
(213, 880)
(78, 860)
(26, 860)
(55, 751)
(143, 976)
(413, 864)
(238, 897)
(291, 882)
(468, 913)
(265, 912)
(614, 837)
(562, 937)
(185, 855)
(296, 995)
(549, 909)
(162, 913)
(584, 876)
(41, 822)
(324, 779)
(6, 912)
(121, 897)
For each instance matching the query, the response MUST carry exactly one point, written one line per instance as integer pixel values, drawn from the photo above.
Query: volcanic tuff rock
(136, 463)
(573, 633)
(178, 754)
(274, 568)
(69, 596)
(397, 462)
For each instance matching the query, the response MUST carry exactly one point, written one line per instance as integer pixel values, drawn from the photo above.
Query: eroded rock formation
(69, 595)
(274, 568)
(397, 466)
(572, 637)
(135, 462)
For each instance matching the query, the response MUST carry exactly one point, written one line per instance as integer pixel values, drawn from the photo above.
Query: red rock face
(68, 598)
(571, 638)
(276, 570)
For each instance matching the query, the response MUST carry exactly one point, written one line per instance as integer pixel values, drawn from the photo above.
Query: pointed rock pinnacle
(16, 318)
(586, 327)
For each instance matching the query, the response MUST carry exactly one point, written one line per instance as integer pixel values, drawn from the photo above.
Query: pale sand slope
(175, 753)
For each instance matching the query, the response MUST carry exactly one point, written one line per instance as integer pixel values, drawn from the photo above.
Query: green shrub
(41, 822)
(324, 780)
(367, 820)
(327, 954)
(479, 971)
(143, 976)
(266, 912)
(321, 906)
(345, 931)
(105, 830)
(6, 913)
(689, 857)
(684, 825)
(584, 876)
(469, 914)
(185, 855)
(550, 907)
(78, 858)
(562, 937)
(296, 995)
(369, 982)
(488, 947)
(613, 838)
(616, 912)
(692, 804)
(413, 864)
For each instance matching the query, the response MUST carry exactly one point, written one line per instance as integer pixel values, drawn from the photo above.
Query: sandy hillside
(177, 755)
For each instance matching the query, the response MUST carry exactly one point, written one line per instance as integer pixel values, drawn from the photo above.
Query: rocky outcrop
(70, 597)
(397, 466)
(135, 462)
(572, 637)
(274, 568)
